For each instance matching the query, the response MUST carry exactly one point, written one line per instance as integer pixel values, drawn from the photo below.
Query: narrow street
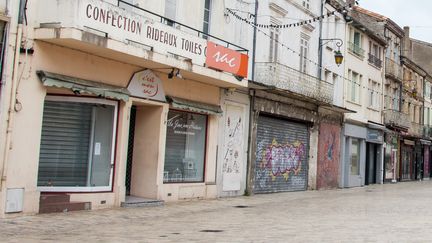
(379, 213)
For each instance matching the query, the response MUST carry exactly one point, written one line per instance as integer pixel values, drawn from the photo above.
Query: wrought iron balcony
(286, 78)
(357, 50)
(397, 119)
(416, 129)
(375, 60)
(393, 69)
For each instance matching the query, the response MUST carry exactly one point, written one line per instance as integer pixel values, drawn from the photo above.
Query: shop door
(407, 163)
(281, 156)
(371, 163)
(130, 150)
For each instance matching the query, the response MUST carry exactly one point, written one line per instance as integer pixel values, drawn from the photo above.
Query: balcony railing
(416, 129)
(396, 118)
(357, 50)
(173, 23)
(393, 69)
(427, 131)
(286, 78)
(375, 60)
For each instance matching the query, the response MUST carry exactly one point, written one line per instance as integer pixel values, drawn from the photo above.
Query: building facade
(363, 131)
(118, 102)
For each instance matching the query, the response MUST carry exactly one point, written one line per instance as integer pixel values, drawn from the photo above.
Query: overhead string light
(285, 26)
(402, 100)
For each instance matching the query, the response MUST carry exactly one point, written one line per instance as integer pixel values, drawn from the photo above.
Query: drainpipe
(320, 54)
(254, 41)
(248, 188)
(12, 101)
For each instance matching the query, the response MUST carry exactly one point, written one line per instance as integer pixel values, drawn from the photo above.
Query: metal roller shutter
(281, 156)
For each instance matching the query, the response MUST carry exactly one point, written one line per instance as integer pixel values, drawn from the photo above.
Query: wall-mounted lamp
(337, 54)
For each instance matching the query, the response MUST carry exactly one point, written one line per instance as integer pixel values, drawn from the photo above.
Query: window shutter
(65, 142)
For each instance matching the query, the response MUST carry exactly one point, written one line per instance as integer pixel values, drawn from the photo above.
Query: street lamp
(338, 57)
(337, 54)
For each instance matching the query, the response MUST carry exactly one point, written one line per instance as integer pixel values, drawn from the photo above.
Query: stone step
(132, 202)
(53, 198)
(64, 207)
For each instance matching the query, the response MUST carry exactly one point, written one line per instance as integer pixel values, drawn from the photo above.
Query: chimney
(407, 31)
(406, 47)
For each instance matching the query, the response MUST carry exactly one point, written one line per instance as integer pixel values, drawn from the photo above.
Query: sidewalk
(379, 213)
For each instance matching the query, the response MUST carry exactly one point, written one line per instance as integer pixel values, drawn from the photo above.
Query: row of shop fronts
(108, 121)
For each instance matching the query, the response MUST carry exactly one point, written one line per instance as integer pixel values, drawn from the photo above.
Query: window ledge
(373, 109)
(356, 55)
(371, 64)
(357, 103)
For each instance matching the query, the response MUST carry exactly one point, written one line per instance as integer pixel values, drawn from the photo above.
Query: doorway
(372, 158)
(130, 150)
(144, 151)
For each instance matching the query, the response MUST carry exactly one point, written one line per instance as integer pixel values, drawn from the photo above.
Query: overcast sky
(417, 14)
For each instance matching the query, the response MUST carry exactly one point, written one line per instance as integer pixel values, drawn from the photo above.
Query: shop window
(355, 156)
(185, 147)
(77, 144)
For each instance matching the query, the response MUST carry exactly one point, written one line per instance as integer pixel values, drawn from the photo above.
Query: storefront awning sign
(225, 59)
(145, 84)
(81, 86)
(194, 106)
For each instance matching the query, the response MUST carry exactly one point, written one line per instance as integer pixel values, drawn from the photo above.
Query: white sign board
(145, 84)
(232, 164)
(124, 25)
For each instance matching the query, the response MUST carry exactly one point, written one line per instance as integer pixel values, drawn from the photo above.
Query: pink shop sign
(145, 84)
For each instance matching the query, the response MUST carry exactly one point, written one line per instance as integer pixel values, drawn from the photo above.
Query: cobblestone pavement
(379, 213)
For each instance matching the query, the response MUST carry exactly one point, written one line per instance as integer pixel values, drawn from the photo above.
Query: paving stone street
(379, 213)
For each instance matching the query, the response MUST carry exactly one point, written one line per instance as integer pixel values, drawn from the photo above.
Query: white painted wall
(290, 37)
(362, 66)
(334, 28)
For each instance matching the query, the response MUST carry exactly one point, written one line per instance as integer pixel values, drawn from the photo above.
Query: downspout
(320, 52)
(254, 41)
(12, 101)
(248, 190)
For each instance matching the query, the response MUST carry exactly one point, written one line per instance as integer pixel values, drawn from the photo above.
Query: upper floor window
(127, 4)
(304, 52)
(274, 42)
(306, 4)
(355, 43)
(375, 55)
(206, 20)
(396, 99)
(396, 51)
(354, 86)
(170, 11)
(374, 94)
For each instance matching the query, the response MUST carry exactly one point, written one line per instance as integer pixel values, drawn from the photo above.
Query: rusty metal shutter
(281, 156)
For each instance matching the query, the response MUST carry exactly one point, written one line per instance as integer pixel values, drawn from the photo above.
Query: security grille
(281, 156)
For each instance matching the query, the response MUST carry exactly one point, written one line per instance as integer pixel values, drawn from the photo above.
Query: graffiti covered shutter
(281, 156)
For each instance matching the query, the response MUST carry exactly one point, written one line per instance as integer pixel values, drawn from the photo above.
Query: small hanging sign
(145, 84)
